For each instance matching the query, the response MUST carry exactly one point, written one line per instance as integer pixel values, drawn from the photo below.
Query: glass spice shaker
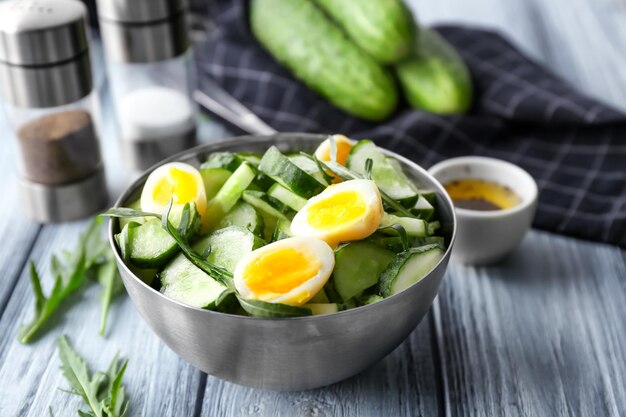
(46, 86)
(149, 70)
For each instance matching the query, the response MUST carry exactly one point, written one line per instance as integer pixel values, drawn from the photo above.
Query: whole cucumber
(435, 79)
(385, 29)
(300, 36)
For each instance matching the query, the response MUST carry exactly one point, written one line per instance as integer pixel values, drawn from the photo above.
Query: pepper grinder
(149, 69)
(46, 86)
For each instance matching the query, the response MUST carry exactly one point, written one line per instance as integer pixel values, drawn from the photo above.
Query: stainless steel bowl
(285, 354)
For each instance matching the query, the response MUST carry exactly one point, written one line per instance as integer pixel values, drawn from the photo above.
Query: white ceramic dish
(485, 237)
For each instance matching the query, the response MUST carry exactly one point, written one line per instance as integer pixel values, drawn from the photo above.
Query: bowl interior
(287, 143)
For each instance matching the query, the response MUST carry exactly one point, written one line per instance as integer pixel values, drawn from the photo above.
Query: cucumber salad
(282, 235)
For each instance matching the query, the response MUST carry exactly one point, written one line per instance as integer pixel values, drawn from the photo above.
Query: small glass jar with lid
(47, 89)
(150, 73)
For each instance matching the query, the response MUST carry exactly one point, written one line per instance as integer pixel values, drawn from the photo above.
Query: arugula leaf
(398, 228)
(111, 283)
(69, 273)
(220, 274)
(103, 392)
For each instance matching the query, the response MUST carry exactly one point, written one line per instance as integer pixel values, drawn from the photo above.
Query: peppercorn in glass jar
(46, 86)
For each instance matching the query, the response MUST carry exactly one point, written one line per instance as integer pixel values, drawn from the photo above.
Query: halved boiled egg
(347, 211)
(177, 181)
(344, 145)
(290, 271)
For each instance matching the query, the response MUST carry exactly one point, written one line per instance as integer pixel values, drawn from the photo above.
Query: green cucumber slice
(150, 245)
(268, 205)
(422, 208)
(244, 215)
(318, 309)
(387, 175)
(286, 197)
(308, 166)
(225, 160)
(413, 227)
(182, 281)
(408, 268)
(358, 266)
(228, 195)
(264, 309)
(135, 205)
(228, 246)
(371, 299)
(214, 179)
(252, 158)
(320, 298)
(282, 230)
(285, 172)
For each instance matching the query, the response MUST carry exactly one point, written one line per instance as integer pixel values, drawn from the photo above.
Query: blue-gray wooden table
(541, 334)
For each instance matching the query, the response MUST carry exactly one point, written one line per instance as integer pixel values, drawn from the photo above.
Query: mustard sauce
(475, 194)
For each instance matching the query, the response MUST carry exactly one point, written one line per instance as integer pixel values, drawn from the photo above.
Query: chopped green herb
(102, 392)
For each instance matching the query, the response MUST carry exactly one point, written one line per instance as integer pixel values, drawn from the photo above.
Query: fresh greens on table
(102, 392)
(282, 235)
(92, 258)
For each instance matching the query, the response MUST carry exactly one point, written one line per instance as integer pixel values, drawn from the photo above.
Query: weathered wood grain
(541, 334)
(403, 384)
(157, 381)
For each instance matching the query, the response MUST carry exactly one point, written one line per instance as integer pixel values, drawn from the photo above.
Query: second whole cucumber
(301, 37)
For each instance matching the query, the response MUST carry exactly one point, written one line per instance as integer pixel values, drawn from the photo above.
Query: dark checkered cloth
(575, 147)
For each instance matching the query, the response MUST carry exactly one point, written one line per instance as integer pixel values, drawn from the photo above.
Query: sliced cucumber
(264, 309)
(228, 195)
(308, 166)
(268, 205)
(371, 299)
(182, 281)
(252, 158)
(358, 266)
(319, 298)
(286, 197)
(244, 215)
(413, 227)
(150, 245)
(318, 309)
(225, 160)
(422, 208)
(228, 246)
(136, 205)
(285, 172)
(429, 195)
(282, 230)
(214, 179)
(387, 175)
(408, 268)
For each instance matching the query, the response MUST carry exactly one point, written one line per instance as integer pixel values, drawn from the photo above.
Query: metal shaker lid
(141, 31)
(139, 11)
(41, 32)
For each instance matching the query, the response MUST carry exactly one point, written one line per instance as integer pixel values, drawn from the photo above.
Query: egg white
(148, 204)
(355, 229)
(323, 151)
(299, 295)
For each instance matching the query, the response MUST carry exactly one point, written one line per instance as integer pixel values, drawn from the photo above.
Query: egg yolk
(343, 149)
(179, 185)
(280, 271)
(336, 210)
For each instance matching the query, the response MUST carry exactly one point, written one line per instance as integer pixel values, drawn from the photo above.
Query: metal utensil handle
(227, 107)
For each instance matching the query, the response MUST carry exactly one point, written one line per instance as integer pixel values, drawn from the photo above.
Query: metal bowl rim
(277, 138)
